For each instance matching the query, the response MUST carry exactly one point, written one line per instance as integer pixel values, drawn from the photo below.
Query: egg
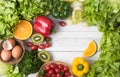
(17, 52)
(8, 44)
(6, 55)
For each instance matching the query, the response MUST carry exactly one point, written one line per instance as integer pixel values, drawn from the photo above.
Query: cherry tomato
(53, 65)
(62, 23)
(48, 75)
(44, 76)
(60, 66)
(47, 68)
(47, 45)
(67, 74)
(57, 70)
(48, 39)
(30, 44)
(62, 71)
(66, 68)
(58, 75)
(50, 71)
(42, 46)
(34, 47)
(53, 75)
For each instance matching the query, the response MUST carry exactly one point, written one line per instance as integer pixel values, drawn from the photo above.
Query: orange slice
(91, 49)
(23, 30)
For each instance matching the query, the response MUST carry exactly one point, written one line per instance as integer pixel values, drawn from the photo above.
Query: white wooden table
(70, 42)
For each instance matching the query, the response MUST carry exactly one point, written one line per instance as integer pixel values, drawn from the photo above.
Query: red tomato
(44, 76)
(30, 44)
(34, 47)
(47, 68)
(47, 45)
(60, 66)
(53, 65)
(57, 70)
(53, 75)
(48, 39)
(48, 75)
(62, 71)
(42, 46)
(51, 72)
(66, 68)
(67, 74)
(58, 75)
(62, 23)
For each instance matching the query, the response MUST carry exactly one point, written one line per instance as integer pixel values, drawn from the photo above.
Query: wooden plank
(73, 41)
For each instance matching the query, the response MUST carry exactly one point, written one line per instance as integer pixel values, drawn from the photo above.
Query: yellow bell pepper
(79, 67)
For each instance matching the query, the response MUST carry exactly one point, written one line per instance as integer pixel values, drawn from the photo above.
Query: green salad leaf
(105, 14)
(8, 18)
(102, 13)
(29, 9)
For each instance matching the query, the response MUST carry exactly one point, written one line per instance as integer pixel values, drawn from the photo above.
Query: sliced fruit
(44, 56)
(76, 15)
(91, 49)
(37, 38)
(23, 30)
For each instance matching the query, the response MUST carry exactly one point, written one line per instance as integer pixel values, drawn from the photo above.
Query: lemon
(76, 15)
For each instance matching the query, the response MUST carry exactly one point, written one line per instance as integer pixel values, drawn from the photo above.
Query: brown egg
(6, 55)
(8, 44)
(17, 52)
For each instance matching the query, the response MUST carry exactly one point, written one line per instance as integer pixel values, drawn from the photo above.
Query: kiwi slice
(44, 56)
(37, 38)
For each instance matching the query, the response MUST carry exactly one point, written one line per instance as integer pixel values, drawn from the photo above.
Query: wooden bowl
(13, 61)
(56, 62)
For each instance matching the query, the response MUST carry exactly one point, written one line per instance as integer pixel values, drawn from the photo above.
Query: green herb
(30, 63)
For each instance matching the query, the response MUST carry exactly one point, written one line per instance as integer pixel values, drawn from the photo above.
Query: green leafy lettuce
(8, 18)
(105, 14)
(102, 13)
(29, 9)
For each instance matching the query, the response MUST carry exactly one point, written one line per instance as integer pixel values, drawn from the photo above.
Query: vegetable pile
(106, 15)
(14, 10)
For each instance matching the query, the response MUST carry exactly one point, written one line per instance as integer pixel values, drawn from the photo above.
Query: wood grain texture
(70, 42)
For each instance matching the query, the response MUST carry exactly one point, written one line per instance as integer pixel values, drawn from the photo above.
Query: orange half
(23, 30)
(91, 49)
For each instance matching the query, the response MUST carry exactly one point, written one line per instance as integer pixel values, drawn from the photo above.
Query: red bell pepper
(43, 25)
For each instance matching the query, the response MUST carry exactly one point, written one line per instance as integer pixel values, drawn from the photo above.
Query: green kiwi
(37, 38)
(44, 56)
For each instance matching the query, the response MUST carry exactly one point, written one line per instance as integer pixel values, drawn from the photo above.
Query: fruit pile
(55, 70)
